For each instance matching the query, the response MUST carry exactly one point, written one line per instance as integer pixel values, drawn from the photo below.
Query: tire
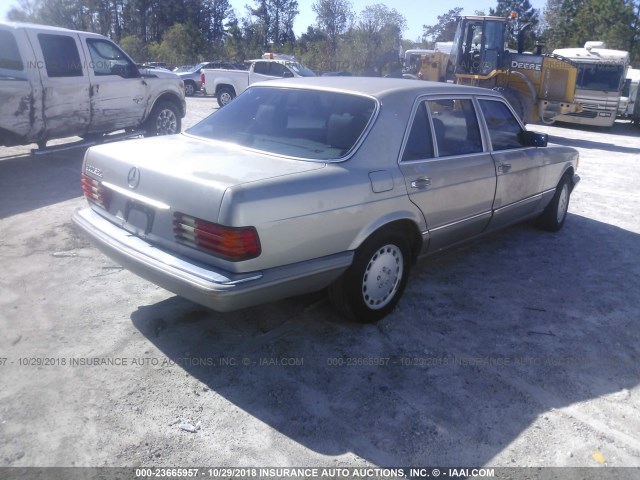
(189, 89)
(516, 101)
(372, 286)
(225, 95)
(164, 119)
(553, 217)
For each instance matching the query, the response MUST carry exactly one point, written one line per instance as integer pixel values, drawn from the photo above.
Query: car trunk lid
(144, 185)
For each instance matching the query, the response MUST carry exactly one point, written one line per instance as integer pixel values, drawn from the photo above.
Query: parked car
(226, 85)
(183, 68)
(341, 73)
(161, 65)
(191, 77)
(338, 182)
(59, 83)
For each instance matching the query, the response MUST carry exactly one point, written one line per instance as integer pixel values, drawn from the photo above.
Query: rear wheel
(370, 289)
(164, 119)
(189, 89)
(553, 217)
(225, 95)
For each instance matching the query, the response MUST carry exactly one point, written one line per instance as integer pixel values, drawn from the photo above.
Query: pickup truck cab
(191, 77)
(228, 84)
(59, 83)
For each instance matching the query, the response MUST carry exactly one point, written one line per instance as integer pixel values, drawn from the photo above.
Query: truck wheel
(373, 284)
(189, 89)
(553, 217)
(225, 95)
(516, 101)
(163, 120)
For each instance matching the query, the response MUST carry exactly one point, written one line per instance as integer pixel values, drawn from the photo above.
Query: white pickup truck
(58, 83)
(228, 84)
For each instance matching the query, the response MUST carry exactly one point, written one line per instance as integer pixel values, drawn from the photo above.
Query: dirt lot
(519, 350)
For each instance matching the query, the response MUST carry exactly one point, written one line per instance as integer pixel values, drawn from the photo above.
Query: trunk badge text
(94, 170)
(133, 178)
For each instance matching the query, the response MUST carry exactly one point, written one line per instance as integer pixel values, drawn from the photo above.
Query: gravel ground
(519, 350)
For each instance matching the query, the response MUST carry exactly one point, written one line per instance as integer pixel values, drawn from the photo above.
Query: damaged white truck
(58, 83)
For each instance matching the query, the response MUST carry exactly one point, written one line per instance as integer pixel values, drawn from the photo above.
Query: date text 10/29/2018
(313, 472)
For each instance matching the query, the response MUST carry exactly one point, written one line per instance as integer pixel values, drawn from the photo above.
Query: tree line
(188, 31)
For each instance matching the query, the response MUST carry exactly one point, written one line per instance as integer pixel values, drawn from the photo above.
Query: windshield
(300, 69)
(306, 124)
(600, 76)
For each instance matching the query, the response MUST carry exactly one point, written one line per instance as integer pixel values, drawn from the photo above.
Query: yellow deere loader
(538, 86)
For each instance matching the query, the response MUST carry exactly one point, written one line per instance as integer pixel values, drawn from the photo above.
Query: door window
(278, 70)
(108, 59)
(61, 58)
(419, 144)
(504, 129)
(455, 125)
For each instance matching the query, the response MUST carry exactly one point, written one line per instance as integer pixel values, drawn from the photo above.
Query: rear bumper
(214, 288)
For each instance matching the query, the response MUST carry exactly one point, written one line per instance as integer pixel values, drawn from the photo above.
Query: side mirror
(287, 74)
(533, 139)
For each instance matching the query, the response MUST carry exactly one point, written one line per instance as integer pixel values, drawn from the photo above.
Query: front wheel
(553, 217)
(164, 119)
(225, 95)
(370, 289)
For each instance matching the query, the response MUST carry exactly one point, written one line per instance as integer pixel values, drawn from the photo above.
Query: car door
(448, 174)
(519, 169)
(65, 84)
(118, 92)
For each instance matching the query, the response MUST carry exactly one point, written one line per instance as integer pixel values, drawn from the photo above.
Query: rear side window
(9, 53)
(419, 144)
(455, 125)
(504, 129)
(261, 67)
(61, 58)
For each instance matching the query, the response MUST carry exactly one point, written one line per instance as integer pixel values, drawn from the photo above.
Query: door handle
(423, 182)
(504, 167)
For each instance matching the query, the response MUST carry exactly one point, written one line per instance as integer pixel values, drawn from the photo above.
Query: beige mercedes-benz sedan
(338, 182)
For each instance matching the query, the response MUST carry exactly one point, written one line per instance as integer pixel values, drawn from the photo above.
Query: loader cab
(478, 47)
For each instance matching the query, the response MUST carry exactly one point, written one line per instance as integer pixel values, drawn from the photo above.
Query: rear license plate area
(138, 218)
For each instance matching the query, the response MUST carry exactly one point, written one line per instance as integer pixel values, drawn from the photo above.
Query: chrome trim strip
(136, 196)
(461, 221)
(524, 200)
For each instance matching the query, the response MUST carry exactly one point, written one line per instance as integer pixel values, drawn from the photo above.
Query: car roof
(379, 87)
(45, 28)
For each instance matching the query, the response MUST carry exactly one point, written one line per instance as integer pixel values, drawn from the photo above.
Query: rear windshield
(306, 124)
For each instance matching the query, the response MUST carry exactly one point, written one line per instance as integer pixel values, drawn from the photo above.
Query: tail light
(95, 192)
(231, 243)
(202, 79)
